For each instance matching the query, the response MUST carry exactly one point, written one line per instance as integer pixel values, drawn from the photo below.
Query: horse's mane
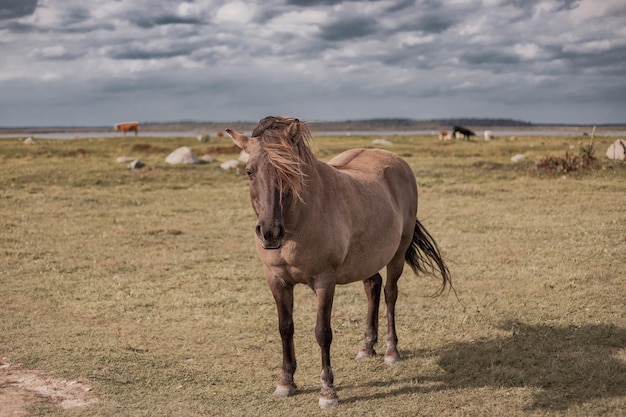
(288, 156)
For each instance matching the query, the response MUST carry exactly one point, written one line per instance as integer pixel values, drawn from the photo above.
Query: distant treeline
(361, 124)
(411, 124)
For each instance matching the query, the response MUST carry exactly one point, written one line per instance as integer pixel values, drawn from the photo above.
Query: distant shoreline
(324, 126)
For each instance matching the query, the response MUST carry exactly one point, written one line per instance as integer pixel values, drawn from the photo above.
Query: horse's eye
(249, 173)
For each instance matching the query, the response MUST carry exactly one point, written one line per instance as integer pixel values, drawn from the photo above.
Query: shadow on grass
(569, 365)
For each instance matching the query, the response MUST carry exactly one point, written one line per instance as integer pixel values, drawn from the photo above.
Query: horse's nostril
(258, 230)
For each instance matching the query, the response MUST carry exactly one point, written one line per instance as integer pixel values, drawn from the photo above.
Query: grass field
(144, 285)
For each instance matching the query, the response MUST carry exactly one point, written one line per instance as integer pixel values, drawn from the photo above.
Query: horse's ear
(240, 139)
(294, 130)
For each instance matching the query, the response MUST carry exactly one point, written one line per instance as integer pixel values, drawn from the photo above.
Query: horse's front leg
(372, 286)
(324, 335)
(283, 295)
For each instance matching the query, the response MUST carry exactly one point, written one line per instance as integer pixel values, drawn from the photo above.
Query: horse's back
(364, 160)
(378, 165)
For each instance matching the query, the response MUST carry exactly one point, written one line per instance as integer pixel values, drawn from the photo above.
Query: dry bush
(570, 162)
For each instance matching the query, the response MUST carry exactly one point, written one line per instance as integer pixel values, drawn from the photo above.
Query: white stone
(243, 156)
(231, 164)
(617, 150)
(518, 158)
(182, 155)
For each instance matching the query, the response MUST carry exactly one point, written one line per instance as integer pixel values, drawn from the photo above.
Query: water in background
(504, 133)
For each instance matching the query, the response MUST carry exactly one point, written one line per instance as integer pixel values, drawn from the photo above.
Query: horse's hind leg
(372, 286)
(394, 270)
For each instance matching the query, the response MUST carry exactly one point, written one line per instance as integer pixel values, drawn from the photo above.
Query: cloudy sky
(97, 62)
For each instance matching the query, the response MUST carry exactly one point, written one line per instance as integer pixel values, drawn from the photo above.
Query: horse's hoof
(364, 355)
(283, 391)
(328, 402)
(390, 360)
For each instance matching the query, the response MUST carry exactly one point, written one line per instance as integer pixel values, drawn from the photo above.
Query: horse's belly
(358, 267)
(371, 252)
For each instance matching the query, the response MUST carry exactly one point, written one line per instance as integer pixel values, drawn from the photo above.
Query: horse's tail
(423, 255)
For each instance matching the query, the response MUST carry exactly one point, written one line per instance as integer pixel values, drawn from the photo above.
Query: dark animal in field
(127, 127)
(323, 224)
(460, 132)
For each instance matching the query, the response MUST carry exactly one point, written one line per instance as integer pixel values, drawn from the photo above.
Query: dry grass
(145, 285)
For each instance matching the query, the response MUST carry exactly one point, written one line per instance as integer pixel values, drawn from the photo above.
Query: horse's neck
(320, 184)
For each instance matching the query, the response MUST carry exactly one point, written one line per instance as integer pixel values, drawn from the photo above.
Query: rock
(383, 142)
(617, 150)
(243, 156)
(207, 158)
(182, 155)
(518, 158)
(136, 164)
(124, 159)
(29, 141)
(231, 164)
(489, 135)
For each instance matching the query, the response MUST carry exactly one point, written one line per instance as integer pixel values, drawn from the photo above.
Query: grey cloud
(149, 22)
(366, 58)
(345, 29)
(568, 4)
(434, 23)
(17, 27)
(76, 15)
(611, 61)
(74, 19)
(11, 9)
(488, 58)
(139, 53)
(58, 56)
(316, 2)
(529, 5)
(416, 57)
(401, 5)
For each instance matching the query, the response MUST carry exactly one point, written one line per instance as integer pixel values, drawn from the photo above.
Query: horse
(460, 132)
(444, 135)
(324, 224)
(127, 127)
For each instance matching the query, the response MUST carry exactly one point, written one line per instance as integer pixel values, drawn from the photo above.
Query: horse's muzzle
(271, 238)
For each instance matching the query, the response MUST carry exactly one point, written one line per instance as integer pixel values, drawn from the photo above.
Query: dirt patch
(216, 149)
(19, 388)
(145, 147)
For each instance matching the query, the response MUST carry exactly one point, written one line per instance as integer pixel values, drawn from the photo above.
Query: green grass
(146, 285)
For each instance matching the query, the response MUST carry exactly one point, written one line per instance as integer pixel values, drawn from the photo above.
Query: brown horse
(326, 224)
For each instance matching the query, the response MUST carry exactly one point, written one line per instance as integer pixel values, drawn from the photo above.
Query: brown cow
(126, 127)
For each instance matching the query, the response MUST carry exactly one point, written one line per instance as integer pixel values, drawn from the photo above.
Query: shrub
(584, 160)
